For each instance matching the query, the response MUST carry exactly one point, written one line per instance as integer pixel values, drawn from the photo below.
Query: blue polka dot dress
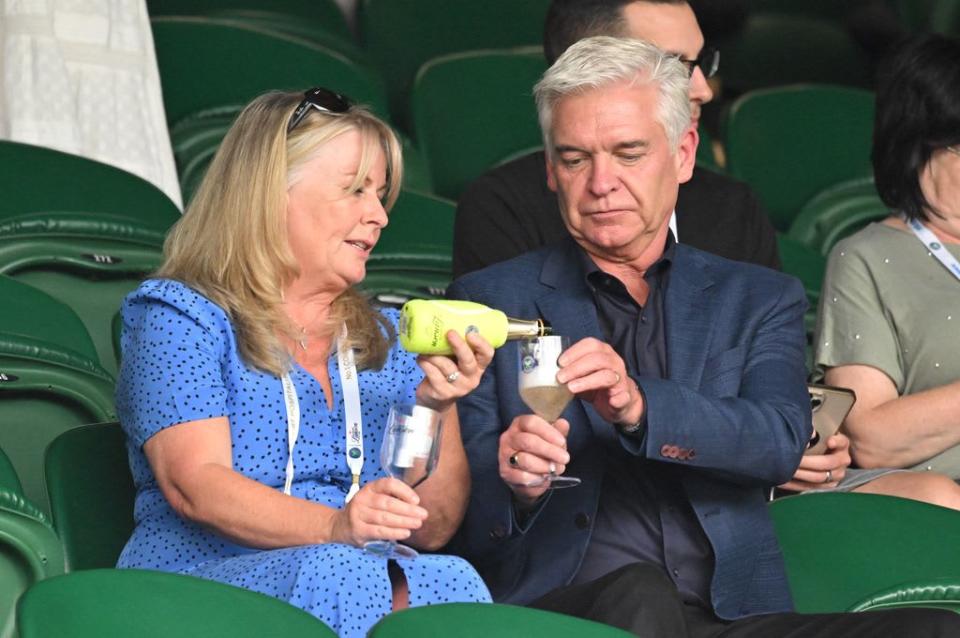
(181, 363)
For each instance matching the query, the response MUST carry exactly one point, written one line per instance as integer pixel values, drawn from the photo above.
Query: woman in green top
(889, 320)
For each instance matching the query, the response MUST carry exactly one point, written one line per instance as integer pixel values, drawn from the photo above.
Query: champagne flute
(540, 390)
(410, 451)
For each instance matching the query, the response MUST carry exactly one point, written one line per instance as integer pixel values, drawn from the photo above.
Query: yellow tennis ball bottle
(424, 324)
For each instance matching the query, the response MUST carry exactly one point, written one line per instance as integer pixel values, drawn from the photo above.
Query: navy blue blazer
(733, 410)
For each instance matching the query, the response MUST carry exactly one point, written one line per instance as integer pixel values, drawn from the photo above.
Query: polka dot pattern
(181, 363)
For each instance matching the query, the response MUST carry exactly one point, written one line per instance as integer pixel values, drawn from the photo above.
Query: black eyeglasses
(708, 61)
(321, 99)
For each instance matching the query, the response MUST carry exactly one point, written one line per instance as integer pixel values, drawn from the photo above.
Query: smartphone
(830, 406)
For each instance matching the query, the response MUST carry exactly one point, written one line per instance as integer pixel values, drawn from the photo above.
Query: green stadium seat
(36, 179)
(478, 620)
(809, 266)
(472, 109)
(830, 9)
(940, 593)
(50, 380)
(91, 494)
(413, 257)
(837, 212)
(88, 260)
(9, 480)
(83, 231)
(790, 143)
(773, 49)
(319, 21)
(939, 16)
(401, 35)
(206, 63)
(153, 604)
(29, 552)
(841, 548)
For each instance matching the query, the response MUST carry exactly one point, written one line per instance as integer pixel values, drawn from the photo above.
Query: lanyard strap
(934, 245)
(353, 425)
(353, 430)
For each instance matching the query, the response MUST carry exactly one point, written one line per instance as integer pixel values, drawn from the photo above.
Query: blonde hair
(601, 60)
(231, 244)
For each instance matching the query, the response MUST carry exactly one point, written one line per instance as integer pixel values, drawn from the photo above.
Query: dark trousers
(642, 599)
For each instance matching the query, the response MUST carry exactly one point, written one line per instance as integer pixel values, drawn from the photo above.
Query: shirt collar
(595, 277)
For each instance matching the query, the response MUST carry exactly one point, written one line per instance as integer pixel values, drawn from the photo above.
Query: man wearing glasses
(510, 210)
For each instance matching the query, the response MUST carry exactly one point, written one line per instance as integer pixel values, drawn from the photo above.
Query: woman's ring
(513, 460)
(453, 376)
(616, 374)
(829, 476)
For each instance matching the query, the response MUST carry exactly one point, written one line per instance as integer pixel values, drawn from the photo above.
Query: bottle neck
(521, 328)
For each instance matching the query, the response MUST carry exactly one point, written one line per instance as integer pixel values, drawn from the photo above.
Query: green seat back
(49, 379)
(831, 9)
(390, 288)
(418, 237)
(773, 49)
(472, 109)
(33, 178)
(836, 213)
(941, 593)
(206, 63)
(842, 548)
(401, 35)
(9, 480)
(91, 494)
(792, 142)
(152, 604)
(809, 266)
(478, 620)
(87, 260)
(413, 257)
(319, 21)
(29, 552)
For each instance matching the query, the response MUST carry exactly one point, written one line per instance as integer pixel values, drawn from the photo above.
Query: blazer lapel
(688, 316)
(566, 302)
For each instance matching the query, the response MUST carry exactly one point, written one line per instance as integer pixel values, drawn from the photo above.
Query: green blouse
(889, 304)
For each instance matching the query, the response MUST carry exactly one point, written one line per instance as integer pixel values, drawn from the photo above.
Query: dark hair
(571, 20)
(918, 112)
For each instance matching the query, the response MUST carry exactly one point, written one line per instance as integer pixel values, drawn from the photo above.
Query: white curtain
(81, 76)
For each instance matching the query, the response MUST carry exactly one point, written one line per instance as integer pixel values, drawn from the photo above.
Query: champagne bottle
(424, 324)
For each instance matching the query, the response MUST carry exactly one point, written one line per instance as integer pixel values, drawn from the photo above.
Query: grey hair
(602, 60)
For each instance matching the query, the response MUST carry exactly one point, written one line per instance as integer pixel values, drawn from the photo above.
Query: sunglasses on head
(708, 61)
(321, 99)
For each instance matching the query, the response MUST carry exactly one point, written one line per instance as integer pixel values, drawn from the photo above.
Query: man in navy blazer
(689, 377)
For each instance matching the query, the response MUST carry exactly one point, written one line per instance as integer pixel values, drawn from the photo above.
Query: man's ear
(686, 155)
(551, 176)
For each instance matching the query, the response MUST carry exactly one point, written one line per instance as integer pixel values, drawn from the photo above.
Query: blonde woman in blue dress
(249, 321)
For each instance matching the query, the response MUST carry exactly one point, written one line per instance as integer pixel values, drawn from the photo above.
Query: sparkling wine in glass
(540, 390)
(409, 452)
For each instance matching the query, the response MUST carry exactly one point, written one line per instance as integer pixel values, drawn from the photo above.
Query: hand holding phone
(830, 405)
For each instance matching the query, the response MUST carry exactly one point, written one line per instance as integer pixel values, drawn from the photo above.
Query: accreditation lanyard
(353, 424)
(935, 246)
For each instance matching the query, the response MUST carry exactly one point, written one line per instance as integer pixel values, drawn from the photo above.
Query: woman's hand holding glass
(449, 378)
(385, 509)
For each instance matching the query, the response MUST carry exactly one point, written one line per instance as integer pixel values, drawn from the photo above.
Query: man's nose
(700, 90)
(603, 176)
